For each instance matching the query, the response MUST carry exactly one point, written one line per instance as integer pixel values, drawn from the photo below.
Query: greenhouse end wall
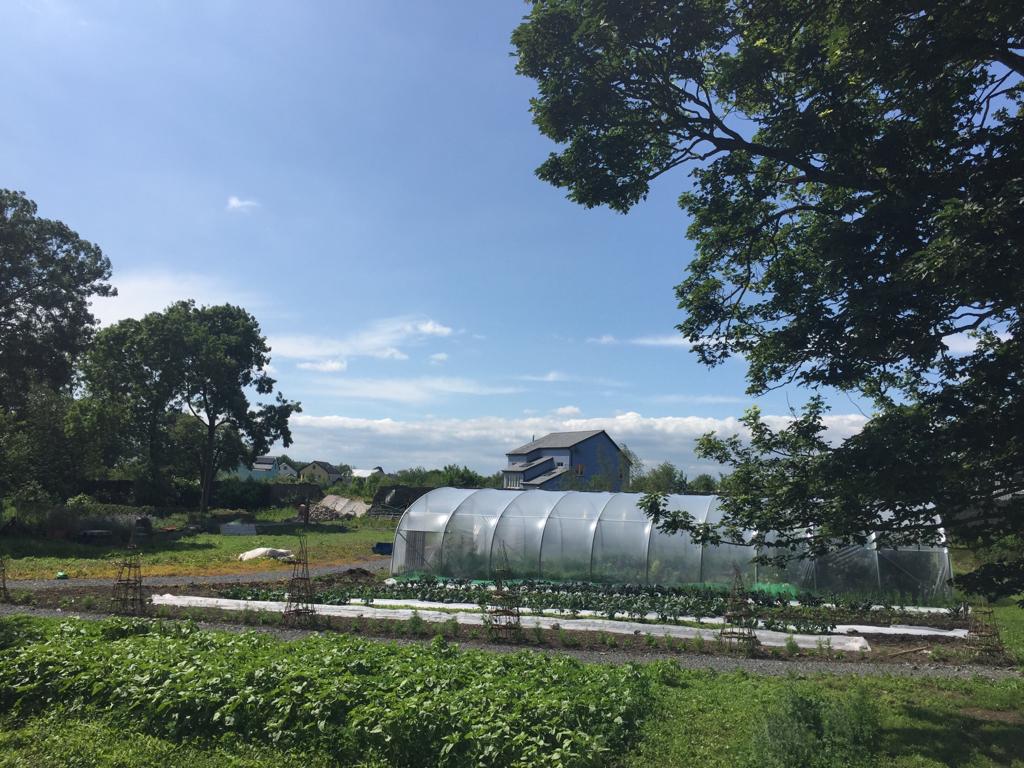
(606, 537)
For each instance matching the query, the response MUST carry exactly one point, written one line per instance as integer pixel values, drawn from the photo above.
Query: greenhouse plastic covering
(606, 537)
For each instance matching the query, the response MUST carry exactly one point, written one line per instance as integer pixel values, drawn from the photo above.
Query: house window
(559, 464)
(579, 470)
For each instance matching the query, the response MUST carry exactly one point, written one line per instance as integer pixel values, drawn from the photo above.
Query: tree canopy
(200, 363)
(48, 275)
(856, 207)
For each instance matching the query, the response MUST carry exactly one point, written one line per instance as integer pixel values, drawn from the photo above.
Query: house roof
(522, 466)
(541, 479)
(327, 467)
(556, 440)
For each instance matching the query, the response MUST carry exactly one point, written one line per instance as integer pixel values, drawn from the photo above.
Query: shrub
(416, 624)
(31, 502)
(242, 494)
(82, 511)
(187, 492)
(806, 729)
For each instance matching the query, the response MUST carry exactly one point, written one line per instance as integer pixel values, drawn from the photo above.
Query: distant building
(365, 473)
(265, 468)
(563, 459)
(322, 472)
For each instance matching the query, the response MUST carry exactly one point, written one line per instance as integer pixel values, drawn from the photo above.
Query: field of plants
(360, 702)
(121, 693)
(769, 610)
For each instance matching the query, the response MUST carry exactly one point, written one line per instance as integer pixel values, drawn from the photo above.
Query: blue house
(265, 468)
(564, 460)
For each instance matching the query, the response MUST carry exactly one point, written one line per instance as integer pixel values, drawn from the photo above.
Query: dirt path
(375, 565)
(771, 667)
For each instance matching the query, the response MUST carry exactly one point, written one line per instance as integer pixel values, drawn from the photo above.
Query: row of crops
(770, 610)
(354, 700)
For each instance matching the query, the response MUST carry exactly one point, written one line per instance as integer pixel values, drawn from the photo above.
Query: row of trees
(160, 400)
(665, 478)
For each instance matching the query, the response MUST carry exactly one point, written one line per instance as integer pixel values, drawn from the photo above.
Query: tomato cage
(607, 538)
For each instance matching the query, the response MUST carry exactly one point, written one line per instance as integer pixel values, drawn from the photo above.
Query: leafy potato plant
(405, 705)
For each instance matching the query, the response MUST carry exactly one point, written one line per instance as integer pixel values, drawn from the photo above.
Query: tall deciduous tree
(664, 478)
(139, 365)
(858, 211)
(186, 375)
(224, 358)
(48, 274)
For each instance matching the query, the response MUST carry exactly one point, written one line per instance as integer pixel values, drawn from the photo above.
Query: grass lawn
(1007, 614)
(1009, 618)
(709, 720)
(199, 555)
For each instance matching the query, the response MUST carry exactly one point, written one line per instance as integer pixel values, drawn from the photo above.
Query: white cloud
(415, 391)
(139, 293)
(438, 358)
(561, 376)
(699, 399)
(238, 204)
(568, 410)
(482, 442)
(431, 328)
(381, 339)
(668, 340)
(325, 366)
(549, 377)
(663, 340)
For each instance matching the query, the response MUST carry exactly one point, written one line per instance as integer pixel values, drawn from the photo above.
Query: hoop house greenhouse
(606, 537)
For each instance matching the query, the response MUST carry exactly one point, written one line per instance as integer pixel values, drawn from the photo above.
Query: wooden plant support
(503, 610)
(299, 610)
(128, 599)
(740, 638)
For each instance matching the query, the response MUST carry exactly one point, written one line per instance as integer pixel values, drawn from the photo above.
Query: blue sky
(360, 177)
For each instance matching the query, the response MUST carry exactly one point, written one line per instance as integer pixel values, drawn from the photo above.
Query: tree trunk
(207, 469)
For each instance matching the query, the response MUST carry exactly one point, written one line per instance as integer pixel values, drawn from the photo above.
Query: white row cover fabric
(606, 537)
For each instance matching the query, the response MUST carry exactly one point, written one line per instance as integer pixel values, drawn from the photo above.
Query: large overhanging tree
(858, 211)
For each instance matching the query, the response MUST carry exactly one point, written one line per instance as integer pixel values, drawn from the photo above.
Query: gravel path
(375, 565)
(771, 667)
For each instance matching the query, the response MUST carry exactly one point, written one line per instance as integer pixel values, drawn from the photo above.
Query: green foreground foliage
(62, 740)
(1009, 618)
(708, 720)
(133, 693)
(356, 701)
